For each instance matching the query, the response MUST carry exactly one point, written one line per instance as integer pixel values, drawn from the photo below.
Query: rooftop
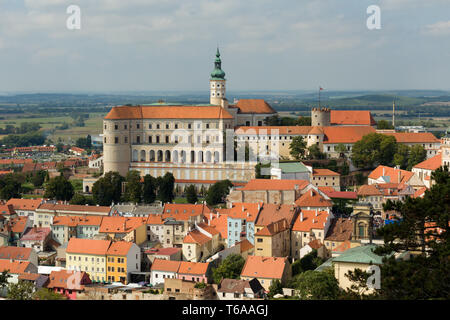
(264, 267)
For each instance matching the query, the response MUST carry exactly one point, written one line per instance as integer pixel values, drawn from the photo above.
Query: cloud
(441, 28)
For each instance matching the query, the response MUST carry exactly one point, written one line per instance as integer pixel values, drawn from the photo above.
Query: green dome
(218, 73)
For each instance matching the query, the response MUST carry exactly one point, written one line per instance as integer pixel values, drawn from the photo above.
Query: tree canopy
(297, 148)
(218, 192)
(59, 188)
(108, 189)
(229, 268)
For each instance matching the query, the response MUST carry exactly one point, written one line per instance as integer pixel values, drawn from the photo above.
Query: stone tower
(217, 82)
(320, 117)
(116, 146)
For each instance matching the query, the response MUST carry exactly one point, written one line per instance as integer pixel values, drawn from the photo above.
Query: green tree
(317, 285)
(108, 189)
(309, 261)
(297, 148)
(401, 156)
(374, 149)
(218, 191)
(47, 294)
(22, 290)
(303, 121)
(315, 153)
(38, 178)
(133, 189)
(342, 149)
(149, 189)
(59, 188)
(275, 288)
(417, 155)
(229, 268)
(10, 186)
(4, 276)
(59, 147)
(191, 194)
(383, 124)
(81, 199)
(166, 186)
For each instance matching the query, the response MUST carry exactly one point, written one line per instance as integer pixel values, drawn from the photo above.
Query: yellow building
(273, 240)
(131, 229)
(88, 255)
(122, 258)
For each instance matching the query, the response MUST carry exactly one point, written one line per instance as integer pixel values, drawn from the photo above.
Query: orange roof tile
(369, 190)
(199, 268)
(254, 106)
(242, 210)
(15, 161)
(29, 276)
(73, 221)
(393, 173)
(272, 130)
(7, 210)
(273, 228)
(165, 265)
(69, 279)
(219, 223)
(210, 229)
(316, 130)
(312, 198)
(154, 219)
(25, 204)
(430, 164)
(351, 117)
(197, 237)
(344, 246)
(73, 208)
(324, 172)
(336, 135)
(121, 224)
(310, 220)
(18, 224)
(274, 212)
(119, 248)
(245, 245)
(183, 212)
(275, 184)
(414, 137)
(88, 246)
(15, 253)
(264, 267)
(168, 112)
(15, 267)
(420, 192)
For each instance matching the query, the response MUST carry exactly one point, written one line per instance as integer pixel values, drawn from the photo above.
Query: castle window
(116, 140)
(176, 125)
(150, 126)
(167, 139)
(125, 127)
(137, 126)
(105, 126)
(218, 93)
(259, 123)
(116, 127)
(105, 140)
(218, 85)
(157, 126)
(126, 139)
(167, 126)
(207, 126)
(138, 139)
(189, 126)
(150, 138)
(213, 94)
(157, 139)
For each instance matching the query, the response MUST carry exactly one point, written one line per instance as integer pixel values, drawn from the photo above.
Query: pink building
(193, 271)
(68, 283)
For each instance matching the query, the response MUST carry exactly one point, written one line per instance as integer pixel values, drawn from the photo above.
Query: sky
(153, 45)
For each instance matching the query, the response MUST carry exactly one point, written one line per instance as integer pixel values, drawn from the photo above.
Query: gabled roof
(310, 219)
(414, 137)
(274, 212)
(431, 163)
(369, 190)
(245, 245)
(362, 254)
(239, 286)
(420, 192)
(324, 172)
(312, 198)
(18, 224)
(391, 173)
(154, 219)
(254, 106)
(167, 112)
(264, 267)
(119, 248)
(88, 246)
(341, 229)
(219, 222)
(162, 251)
(15, 253)
(165, 265)
(7, 210)
(275, 184)
(199, 268)
(197, 237)
(273, 228)
(68, 279)
(24, 204)
(242, 210)
(351, 117)
(36, 234)
(15, 267)
(121, 224)
(336, 135)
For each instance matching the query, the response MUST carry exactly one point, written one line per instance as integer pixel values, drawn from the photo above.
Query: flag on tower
(320, 88)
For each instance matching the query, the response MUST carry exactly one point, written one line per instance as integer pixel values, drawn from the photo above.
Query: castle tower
(320, 117)
(116, 146)
(217, 82)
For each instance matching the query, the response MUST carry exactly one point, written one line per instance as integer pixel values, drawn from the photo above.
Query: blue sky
(150, 45)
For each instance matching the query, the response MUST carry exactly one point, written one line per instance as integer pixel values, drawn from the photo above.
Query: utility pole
(320, 89)
(393, 114)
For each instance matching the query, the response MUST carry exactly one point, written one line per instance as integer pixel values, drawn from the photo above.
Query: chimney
(217, 215)
(383, 171)
(301, 216)
(248, 214)
(210, 216)
(242, 208)
(399, 176)
(259, 206)
(311, 192)
(316, 213)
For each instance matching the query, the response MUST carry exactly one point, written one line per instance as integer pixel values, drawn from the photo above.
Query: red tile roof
(167, 112)
(310, 220)
(36, 234)
(254, 106)
(163, 251)
(351, 117)
(88, 246)
(275, 184)
(242, 210)
(420, 192)
(15, 267)
(414, 137)
(272, 130)
(340, 194)
(18, 224)
(197, 268)
(73, 221)
(336, 135)
(72, 280)
(369, 190)
(245, 245)
(264, 267)
(165, 265)
(341, 229)
(25, 204)
(273, 228)
(197, 237)
(154, 219)
(15, 253)
(219, 223)
(15, 161)
(393, 173)
(119, 248)
(430, 164)
(312, 198)
(274, 212)
(324, 172)
(7, 210)
(121, 224)
(183, 212)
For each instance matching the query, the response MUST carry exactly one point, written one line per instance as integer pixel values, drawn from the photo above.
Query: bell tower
(217, 82)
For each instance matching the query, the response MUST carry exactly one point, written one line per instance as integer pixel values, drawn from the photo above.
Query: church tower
(217, 82)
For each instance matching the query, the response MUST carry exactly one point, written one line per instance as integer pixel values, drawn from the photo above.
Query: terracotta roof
(312, 198)
(199, 268)
(351, 117)
(197, 237)
(7, 210)
(254, 106)
(183, 212)
(15, 267)
(414, 137)
(341, 229)
(310, 220)
(340, 194)
(29, 276)
(15, 253)
(315, 244)
(234, 286)
(369, 190)
(336, 135)
(245, 245)
(274, 212)
(242, 210)
(316, 130)
(121, 224)
(119, 248)
(72, 207)
(88, 246)
(68, 279)
(15, 161)
(163, 251)
(264, 267)
(392, 173)
(324, 172)
(275, 184)
(18, 224)
(219, 223)
(36, 234)
(344, 246)
(430, 164)
(273, 228)
(154, 219)
(73, 221)
(25, 204)
(210, 229)
(167, 112)
(420, 192)
(165, 265)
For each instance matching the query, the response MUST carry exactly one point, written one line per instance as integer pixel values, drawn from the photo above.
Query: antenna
(393, 113)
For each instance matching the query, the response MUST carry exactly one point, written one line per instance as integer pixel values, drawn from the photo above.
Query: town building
(340, 231)
(68, 283)
(131, 229)
(326, 178)
(234, 289)
(122, 258)
(37, 238)
(19, 254)
(65, 227)
(266, 270)
(385, 174)
(25, 207)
